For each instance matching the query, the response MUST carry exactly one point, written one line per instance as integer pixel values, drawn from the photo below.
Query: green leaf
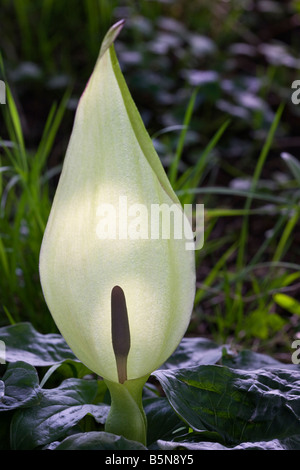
(288, 303)
(58, 411)
(24, 343)
(187, 118)
(161, 418)
(275, 444)
(293, 165)
(66, 369)
(250, 360)
(19, 387)
(262, 324)
(195, 351)
(240, 406)
(98, 441)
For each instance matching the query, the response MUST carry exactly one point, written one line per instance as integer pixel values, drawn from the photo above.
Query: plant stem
(127, 417)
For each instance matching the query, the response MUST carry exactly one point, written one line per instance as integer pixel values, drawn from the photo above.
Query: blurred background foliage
(212, 80)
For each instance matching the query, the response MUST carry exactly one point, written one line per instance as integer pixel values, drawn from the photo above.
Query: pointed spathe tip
(111, 36)
(119, 24)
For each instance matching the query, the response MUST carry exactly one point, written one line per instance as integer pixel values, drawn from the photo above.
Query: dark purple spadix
(120, 332)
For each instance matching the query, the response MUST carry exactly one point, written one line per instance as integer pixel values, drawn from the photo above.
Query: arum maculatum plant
(123, 304)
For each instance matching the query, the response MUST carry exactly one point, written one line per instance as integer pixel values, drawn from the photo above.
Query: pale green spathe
(110, 155)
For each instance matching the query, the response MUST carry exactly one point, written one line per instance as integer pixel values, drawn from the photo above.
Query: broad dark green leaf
(202, 351)
(98, 441)
(250, 360)
(161, 418)
(240, 406)
(195, 351)
(58, 410)
(19, 386)
(66, 369)
(292, 443)
(24, 343)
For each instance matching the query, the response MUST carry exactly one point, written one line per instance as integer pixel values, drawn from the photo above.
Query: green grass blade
(15, 129)
(214, 273)
(235, 192)
(284, 239)
(288, 303)
(194, 177)
(293, 165)
(9, 315)
(173, 171)
(51, 127)
(258, 169)
(279, 226)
